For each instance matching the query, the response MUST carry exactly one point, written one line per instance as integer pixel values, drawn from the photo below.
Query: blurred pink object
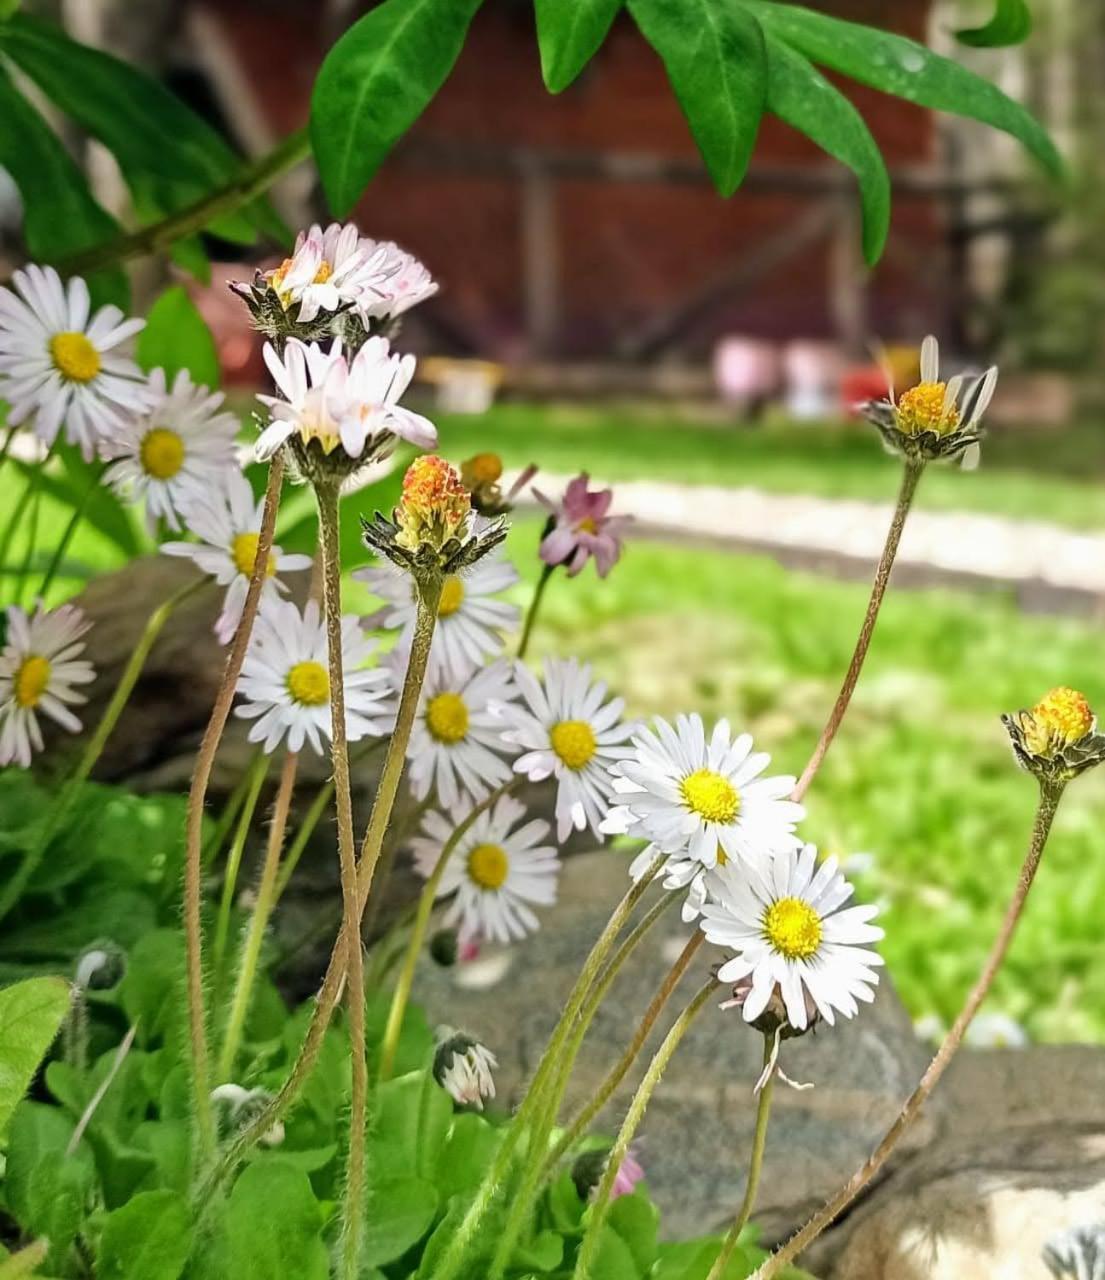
(628, 1175)
(582, 529)
(746, 370)
(811, 372)
(468, 950)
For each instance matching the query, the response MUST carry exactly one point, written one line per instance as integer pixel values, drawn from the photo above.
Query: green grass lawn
(1053, 475)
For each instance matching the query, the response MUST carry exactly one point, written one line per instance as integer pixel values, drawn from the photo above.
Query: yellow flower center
(309, 684)
(31, 680)
(447, 717)
(710, 796)
(921, 408)
(1060, 718)
(74, 357)
(243, 551)
(793, 928)
(161, 453)
(587, 525)
(574, 742)
(324, 272)
(488, 866)
(482, 469)
(452, 596)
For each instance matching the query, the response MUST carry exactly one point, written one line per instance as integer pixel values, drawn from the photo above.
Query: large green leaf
(177, 337)
(1011, 24)
(714, 54)
(400, 1213)
(146, 1239)
(61, 216)
(801, 96)
(375, 82)
(904, 68)
(102, 510)
(274, 1225)
(569, 33)
(31, 1014)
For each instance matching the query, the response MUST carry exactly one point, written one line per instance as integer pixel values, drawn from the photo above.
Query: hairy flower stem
(601, 1202)
(755, 1168)
(534, 608)
(15, 886)
(453, 1259)
(418, 934)
(802, 1239)
(353, 1206)
(910, 476)
(262, 911)
(193, 849)
(257, 773)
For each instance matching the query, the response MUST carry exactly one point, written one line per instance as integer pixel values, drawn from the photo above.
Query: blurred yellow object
(904, 363)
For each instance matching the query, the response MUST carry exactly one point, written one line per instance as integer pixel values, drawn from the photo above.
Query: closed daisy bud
(463, 1067)
(238, 1108)
(100, 967)
(445, 948)
(1057, 739)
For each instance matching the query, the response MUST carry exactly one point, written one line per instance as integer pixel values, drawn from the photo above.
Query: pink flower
(583, 529)
(628, 1175)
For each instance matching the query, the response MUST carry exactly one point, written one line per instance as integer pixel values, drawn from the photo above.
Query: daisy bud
(444, 948)
(100, 967)
(463, 1067)
(773, 1021)
(237, 1108)
(1057, 739)
(588, 1169)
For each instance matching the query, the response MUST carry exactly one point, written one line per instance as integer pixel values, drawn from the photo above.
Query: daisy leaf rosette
(471, 622)
(567, 729)
(40, 665)
(1057, 739)
(226, 521)
(498, 873)
(456, 747)
(62, 366)
(794, 937)
(285, 680)
(704, 797)
(935, 420)
(176, 453)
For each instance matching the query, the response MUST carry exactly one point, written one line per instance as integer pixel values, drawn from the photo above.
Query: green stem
(34, 480)
(229, 816)
(257, 771)
(755, 1168)
(837, 1203)
(262, 911)
(95, 745)
(69, 531)
(534, 607)
(29, 550)
(418, 934)
(254, 180)
(5, 448)
(601, 1203)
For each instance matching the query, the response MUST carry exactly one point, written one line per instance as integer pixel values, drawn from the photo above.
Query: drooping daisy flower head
(39, 667)
(568, 729)
(227, 521)
(401, 281)
(498, 872)
(1057, 739)
(471, 621)
(581, 529)
(176, 453)
(285, 680)
(456, 747)
(62, 366)
(464, 1068)
(588, 1169)
(704, 797)
(936, 419)
(793, 939)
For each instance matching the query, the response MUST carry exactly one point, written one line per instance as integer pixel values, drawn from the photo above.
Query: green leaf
(1011, 24)
(61, 216)
(569, 33)
(102, 511)
(544, 1252)
(273, 1225)
(635, 1218)
(24, 1263)
(31, 1014)
(400, 1213)
(152, 988)
(905, 69)
(801, 96)
(375, 82)
(410, 1121)
(177, 337)
(468, 1153)
(147, 1239)
(614, 1259)
(714, 54)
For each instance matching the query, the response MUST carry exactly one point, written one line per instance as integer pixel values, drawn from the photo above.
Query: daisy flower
(790, 935)
(568, 731)
(329, 270)
(463, 1068)
(61, 366)
(679, 872)
(456, 737)
(704, 799)
(178, 451)
(38, 669)
(470, 622)
(402, 282)
(285, 680)
(227, 521)
(338, 403)
(582, 529)
(498, 870)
